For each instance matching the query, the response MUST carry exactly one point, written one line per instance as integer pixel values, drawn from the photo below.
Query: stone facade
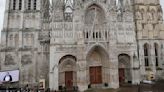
(83, 42)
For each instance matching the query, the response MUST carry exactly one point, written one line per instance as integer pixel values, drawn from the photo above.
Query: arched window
(29, 4)
(35, 1)
(146, 54)
(20, 4)
(94, 16)
(14, 4)
(156, 54)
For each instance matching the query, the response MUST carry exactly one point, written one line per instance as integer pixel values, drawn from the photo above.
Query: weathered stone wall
(35, 41)
(21, 48)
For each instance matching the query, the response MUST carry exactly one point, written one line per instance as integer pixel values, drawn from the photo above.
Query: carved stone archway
(124, 69)
(67, 72)
(97, 66)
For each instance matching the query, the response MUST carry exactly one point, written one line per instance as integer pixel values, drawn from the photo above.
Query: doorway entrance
(124, 69)
(67, 72)
(69, 79)
(95, 75)
(121, 75)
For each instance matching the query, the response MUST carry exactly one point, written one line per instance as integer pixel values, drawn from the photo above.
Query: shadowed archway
(67, 71)
(124, 69)
(97, 65)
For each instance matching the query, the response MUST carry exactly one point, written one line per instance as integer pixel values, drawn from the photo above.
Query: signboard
(42, 84)
(9, 76)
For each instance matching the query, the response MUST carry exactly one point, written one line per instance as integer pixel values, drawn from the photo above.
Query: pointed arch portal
(124, 68)
(67, 71)
(97, 61)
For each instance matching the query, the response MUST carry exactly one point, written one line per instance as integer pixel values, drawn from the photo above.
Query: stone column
(152, 59)
(53, 72)
(136, 70)
(114, 76)
(82, 76)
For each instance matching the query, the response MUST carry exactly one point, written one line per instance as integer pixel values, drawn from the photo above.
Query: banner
(9, 76)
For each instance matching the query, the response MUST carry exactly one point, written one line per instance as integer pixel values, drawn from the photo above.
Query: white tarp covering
(14, 75)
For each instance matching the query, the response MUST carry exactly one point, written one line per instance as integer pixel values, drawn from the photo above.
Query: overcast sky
(2, 8)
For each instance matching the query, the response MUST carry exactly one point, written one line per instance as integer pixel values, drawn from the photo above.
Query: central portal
(97, 66)
(95, 75)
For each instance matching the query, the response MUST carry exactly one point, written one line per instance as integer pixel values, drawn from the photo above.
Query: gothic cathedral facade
(83, 43)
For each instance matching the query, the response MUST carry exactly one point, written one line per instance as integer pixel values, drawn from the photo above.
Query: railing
(97, 35)
(63, 34)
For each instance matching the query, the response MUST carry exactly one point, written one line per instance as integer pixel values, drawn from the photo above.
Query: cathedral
(82, 43)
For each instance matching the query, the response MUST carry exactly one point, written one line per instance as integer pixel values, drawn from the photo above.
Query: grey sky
(2, 8)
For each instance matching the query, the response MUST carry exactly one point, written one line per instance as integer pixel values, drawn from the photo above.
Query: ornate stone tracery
(26, 59)
(9, 60)
(94, 15)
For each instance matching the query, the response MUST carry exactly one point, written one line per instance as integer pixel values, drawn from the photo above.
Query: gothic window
(20, 4)
(95, 19)
(35, 1)
(94, 15)
(156, 54)
(146, 54)
(14, 4)
(29, 4)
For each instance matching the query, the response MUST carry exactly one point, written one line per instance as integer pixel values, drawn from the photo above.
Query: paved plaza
(157, 87)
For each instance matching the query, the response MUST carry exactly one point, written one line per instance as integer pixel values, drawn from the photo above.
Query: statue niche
(26, 59)
(9, 60)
